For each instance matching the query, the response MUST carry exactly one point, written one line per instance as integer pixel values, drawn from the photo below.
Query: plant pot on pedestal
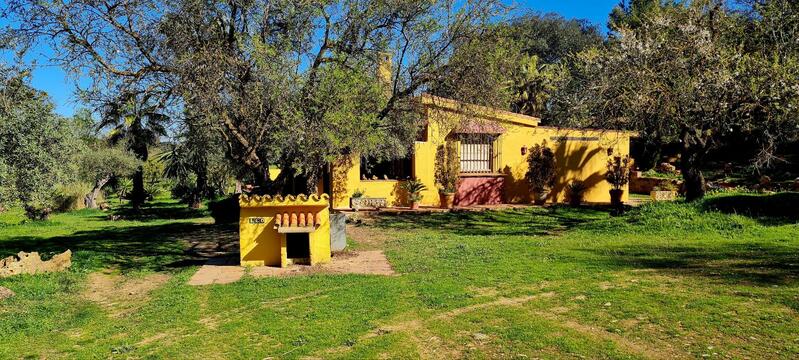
(615, 197)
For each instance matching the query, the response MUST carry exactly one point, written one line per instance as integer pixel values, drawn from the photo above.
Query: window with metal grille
(477, 153)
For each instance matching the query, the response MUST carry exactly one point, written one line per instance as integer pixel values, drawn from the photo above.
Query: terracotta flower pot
(615, 197)
(414, 205)
(447, 200)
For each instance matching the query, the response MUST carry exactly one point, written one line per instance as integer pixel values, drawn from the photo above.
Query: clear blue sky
(55, 82)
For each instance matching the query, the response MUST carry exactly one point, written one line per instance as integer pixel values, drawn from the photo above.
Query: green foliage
(414, 188)
(551, 37)
(358, 193)
(124, 187)
(575, 191)
(448, 167)
(541, 169)
(101, 163)
(532, 85)
(686, 75)
(137, 122)
(197, 164)
(71, 196)
(631, 14)
(35, 146)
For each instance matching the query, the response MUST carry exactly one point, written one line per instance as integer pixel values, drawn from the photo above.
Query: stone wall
(645, 185)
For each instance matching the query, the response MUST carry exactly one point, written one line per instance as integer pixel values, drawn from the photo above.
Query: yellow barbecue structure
(281, 231)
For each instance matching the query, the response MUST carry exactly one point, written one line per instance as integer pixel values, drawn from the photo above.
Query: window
(477, 153)
(398, 169)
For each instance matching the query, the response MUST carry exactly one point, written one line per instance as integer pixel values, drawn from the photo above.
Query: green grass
(715, 279)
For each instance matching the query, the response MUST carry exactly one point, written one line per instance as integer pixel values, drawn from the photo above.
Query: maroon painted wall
(480, 190)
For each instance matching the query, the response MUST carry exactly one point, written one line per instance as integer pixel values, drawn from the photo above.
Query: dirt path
(430, 347)
(121, 295)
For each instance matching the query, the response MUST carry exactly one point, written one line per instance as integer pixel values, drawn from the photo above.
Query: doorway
(298, 249)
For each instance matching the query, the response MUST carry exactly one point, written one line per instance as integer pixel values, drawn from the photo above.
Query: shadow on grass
(775, 209)
(159, 210)
(734, 263)
(529, 221)
(150, 247)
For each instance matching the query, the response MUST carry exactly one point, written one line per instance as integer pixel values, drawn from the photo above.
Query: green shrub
(69, 197)
(414, 187)
(541, 169)
(448, 167)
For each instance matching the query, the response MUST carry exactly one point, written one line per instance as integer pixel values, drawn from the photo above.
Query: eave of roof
(620, 132)
(478, 110)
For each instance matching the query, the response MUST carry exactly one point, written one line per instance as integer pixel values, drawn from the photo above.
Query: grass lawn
(716, 279)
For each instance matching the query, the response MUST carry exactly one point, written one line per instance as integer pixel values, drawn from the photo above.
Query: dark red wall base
(480, 190)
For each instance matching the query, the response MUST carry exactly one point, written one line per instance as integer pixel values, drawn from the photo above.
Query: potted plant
(414, 187)
(618, 176)
(575, 191)
(541, 172)
(448, 170)
(666, 192)
(355, 199)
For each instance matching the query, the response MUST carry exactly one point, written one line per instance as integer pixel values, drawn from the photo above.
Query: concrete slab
(217, 271)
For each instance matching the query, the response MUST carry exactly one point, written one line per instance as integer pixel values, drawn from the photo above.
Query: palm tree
(138, 123)
(532, 84)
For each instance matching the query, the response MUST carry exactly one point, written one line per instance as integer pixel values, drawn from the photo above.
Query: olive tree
(682, 76)
(35, 146)
(285, 83)
(100, 164)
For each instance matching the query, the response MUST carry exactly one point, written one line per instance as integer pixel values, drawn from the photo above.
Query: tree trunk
(261, 179)
(694, 184)
(692, 153)
(91, 198)
(238, 186)
(312, 182)
(138, 195)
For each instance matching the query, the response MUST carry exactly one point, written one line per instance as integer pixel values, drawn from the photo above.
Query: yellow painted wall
(577, 158)
(262, 245)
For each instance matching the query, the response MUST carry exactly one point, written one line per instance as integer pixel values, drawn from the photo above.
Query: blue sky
(55, 82)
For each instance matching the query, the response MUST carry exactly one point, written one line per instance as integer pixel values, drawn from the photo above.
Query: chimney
(384, 70)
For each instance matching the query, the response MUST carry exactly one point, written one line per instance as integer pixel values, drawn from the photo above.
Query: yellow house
(493, 147)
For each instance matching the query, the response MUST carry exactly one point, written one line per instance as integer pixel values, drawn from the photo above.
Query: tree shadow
(529, 221)
(732, 263)
(151, 247)
(774, 209)
(159, 210)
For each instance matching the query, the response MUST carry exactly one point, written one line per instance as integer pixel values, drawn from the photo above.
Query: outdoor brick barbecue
(280, 231)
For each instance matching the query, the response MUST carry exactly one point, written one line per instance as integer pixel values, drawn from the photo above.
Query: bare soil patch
(368, 236)
(122, 295)
(370, 262)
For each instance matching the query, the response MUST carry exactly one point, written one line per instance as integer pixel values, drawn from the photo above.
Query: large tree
(284, 82)
(35, 145)
(137, 124)
(101, 163)
(519, 62)
(682, 76)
